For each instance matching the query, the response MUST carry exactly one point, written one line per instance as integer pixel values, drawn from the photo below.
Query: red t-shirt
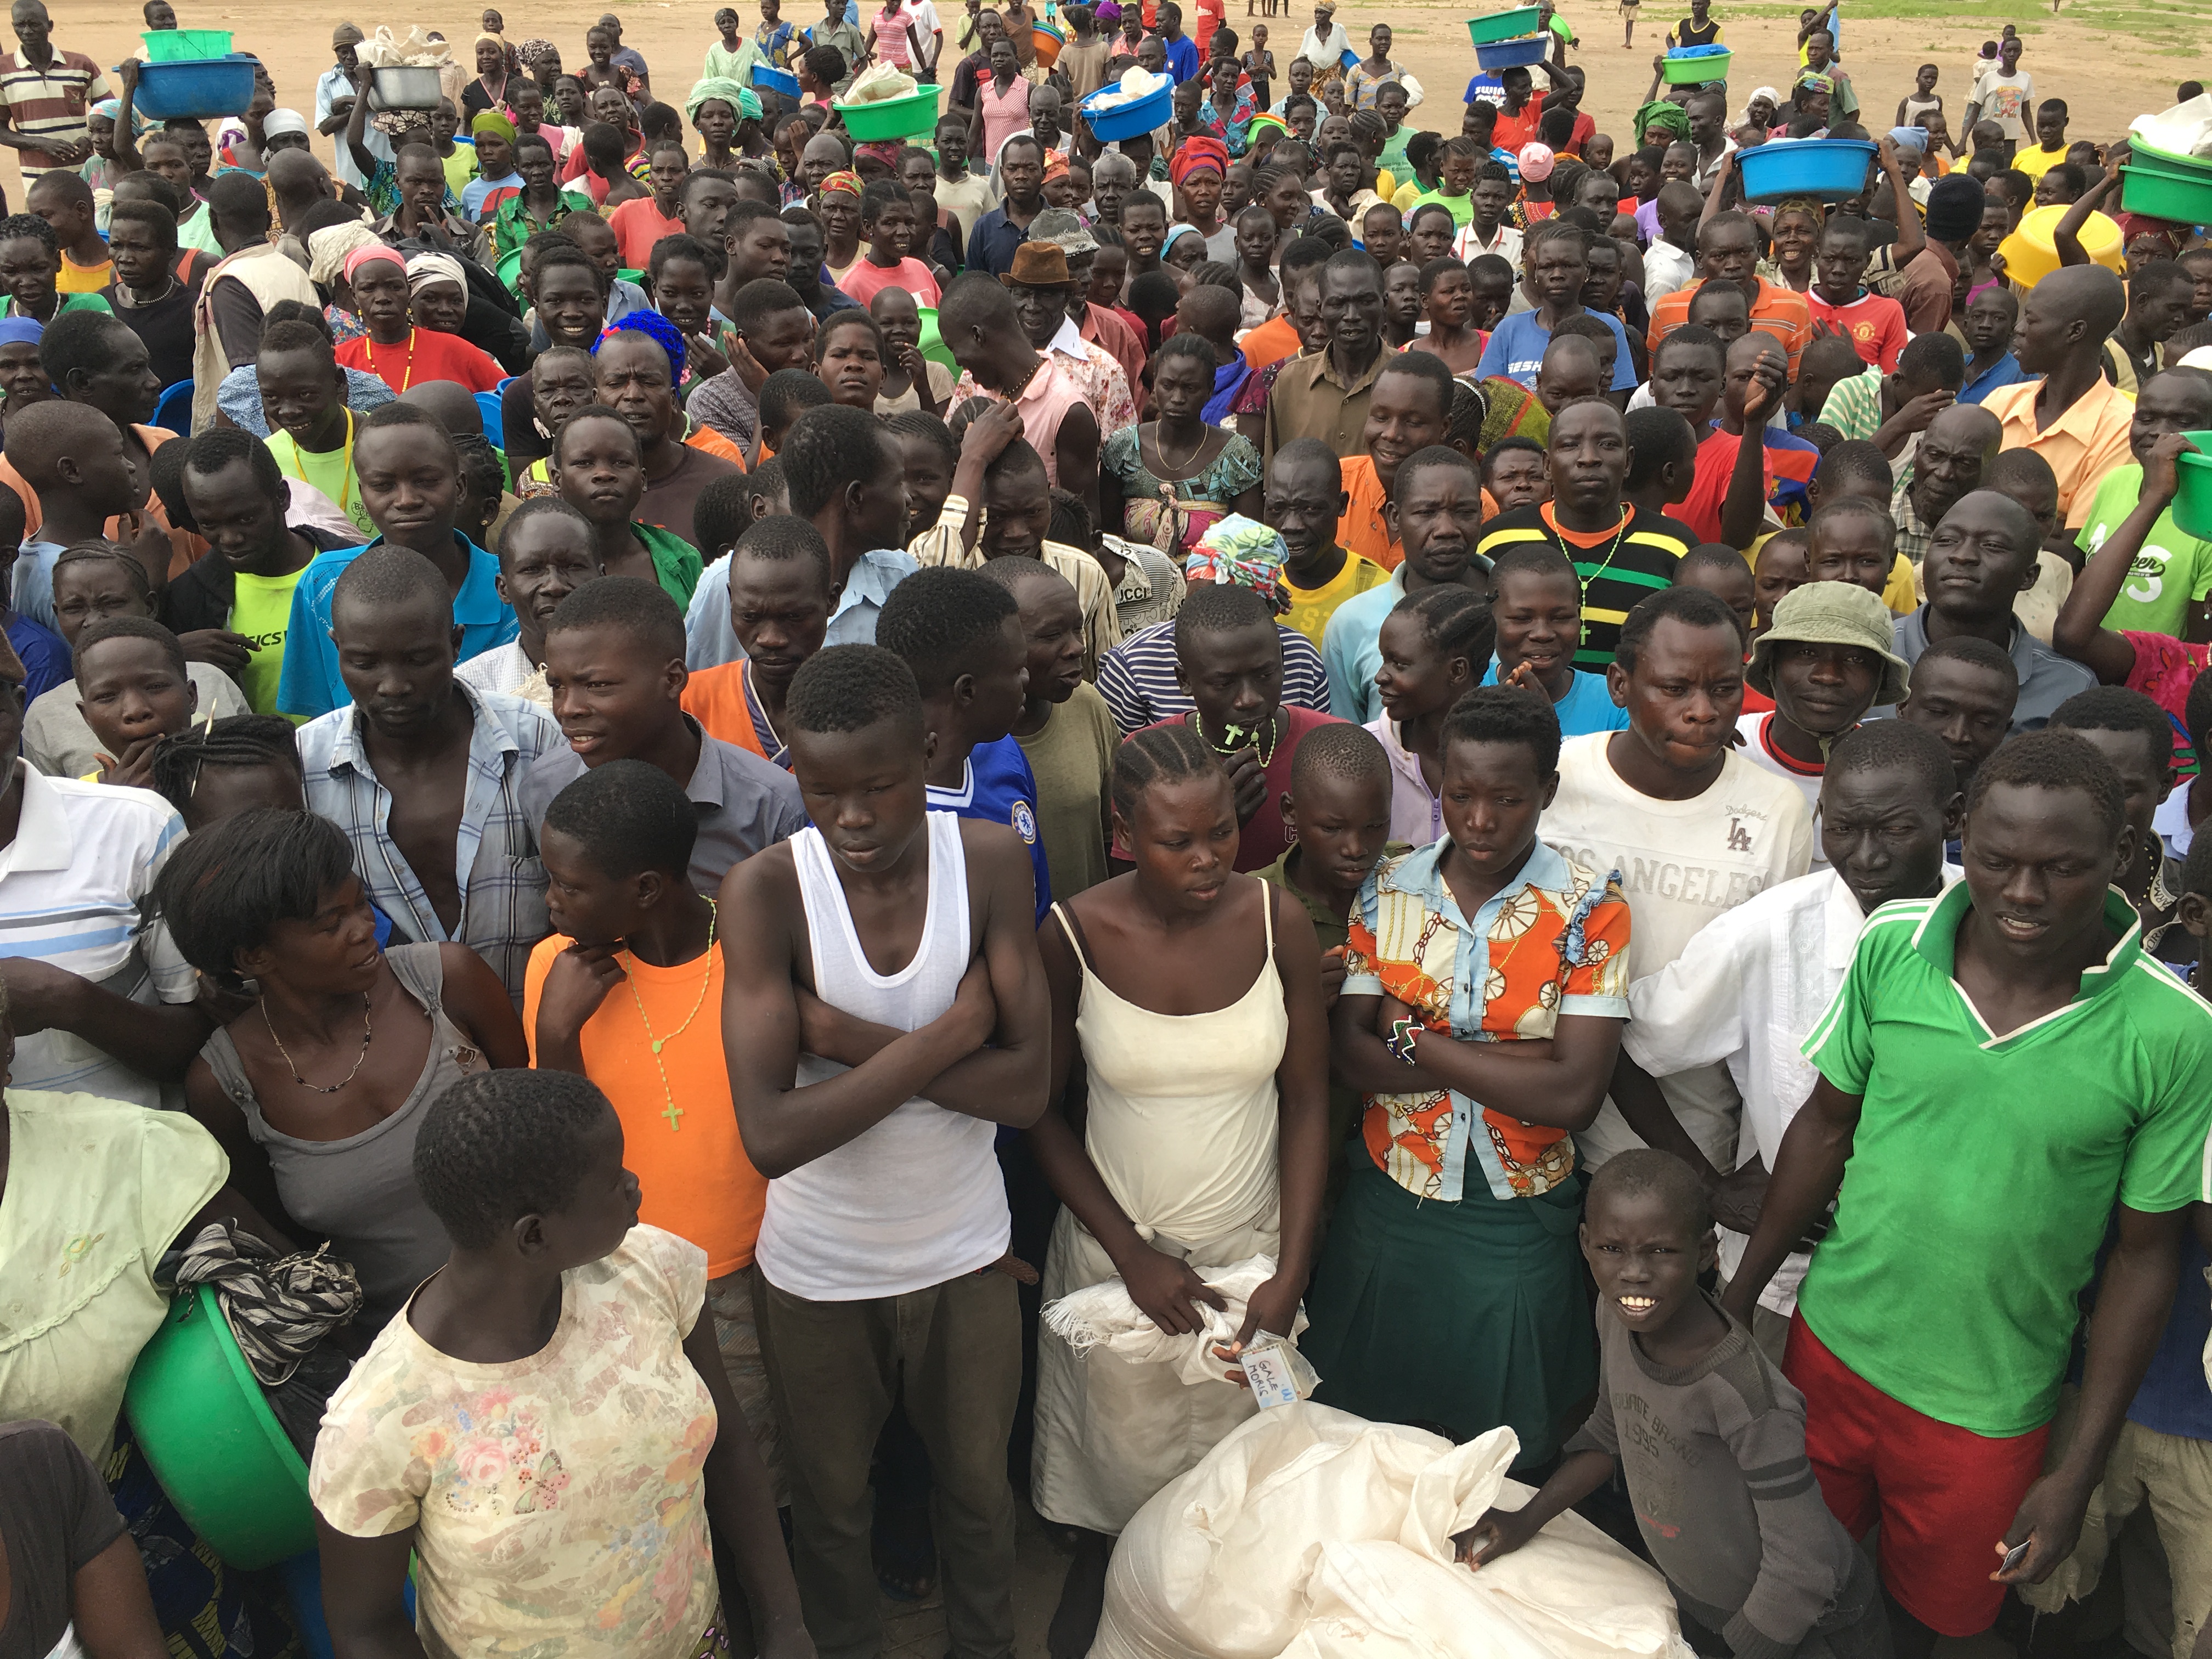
(1513, 131)
(1264, 839)
(426, 353)
(637, 224)
(1875, 326)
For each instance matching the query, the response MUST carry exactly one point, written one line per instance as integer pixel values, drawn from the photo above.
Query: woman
(1485, 989)
(1796, 234)
(1194, 995)
(545, 1435)
(598, 468)
(1183, 253)
(848, 359)
(318, 1090)
(488, 89)
(1166, 480)
(400, 346)
(714, 109)
(570, 99)
(1002, 103)
(1434, 645)
(838, 203)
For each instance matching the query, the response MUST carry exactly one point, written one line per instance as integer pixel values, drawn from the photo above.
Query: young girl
(1922, 99)
(1434, 645)
(548, 1429)
(911, 381)
(1166, 480)
(1260, 63)
(1194, 996)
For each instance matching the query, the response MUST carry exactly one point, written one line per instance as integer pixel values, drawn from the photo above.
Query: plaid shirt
(1913, 532)
(503, 889)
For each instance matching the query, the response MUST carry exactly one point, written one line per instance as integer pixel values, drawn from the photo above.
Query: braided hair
(1158, 754)
(241, 741)
(499, 1145)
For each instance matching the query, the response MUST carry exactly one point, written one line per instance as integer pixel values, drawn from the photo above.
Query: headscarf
(428, 270)
(369, 252)
(1660, 113)
(278, 122)
(1812, 81)
(1176, 233)
(1107, 13)
(1811, 204)
(21, 330)
(1243, 552)
(533, 49)
(1772, 98)
(329, 248)
(715, 89)
(1055, 165)
(655, 328)
(843, 180)
(491, 121)
(1536, 161)
(1197, 152)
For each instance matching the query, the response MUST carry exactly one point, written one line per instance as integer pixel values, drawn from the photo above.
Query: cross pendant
(673, 1112)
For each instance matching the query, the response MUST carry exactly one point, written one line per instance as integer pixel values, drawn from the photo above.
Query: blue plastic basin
(766, 79)
(1529, 49)
(1128, 120)
(1827, 169)
(195, 89)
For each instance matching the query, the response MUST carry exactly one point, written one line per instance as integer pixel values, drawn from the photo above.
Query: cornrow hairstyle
(939, 620)
(1456, 623)
(851, 688)
(1194, 346)
(930, 428)
(1212, 273)
(226, 887)
(1071, 521)
(641, 609)
(1693, 607)
(781, 538)
(126, 628)
(2054, 760)
(1160, 754)
(2116, 708)
(243, 742)
(1878, 745)
(628, 816)
(1646, 1170)
(500, 1145)
(98, 552)
(481, 469)
(1470, 407)
(1340, 749)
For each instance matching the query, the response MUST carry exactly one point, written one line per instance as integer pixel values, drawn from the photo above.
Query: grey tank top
(359, 1192)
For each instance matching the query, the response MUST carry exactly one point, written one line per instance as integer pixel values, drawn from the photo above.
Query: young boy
(1991, 317)
(1065, 729)
(780, 605)
(1536, 601)
(1852, 540)
(133, 691)
(1720, 570)
(614, 665)
(784, 397)
(961, 638)
(1826, 661)
(1664, 445)
(1873, 324)
(611, 995)
(547, 550)
(303, 391)
(887, 229)
(1963, 691)
(1306, 503)
(871, 1104)
(72, 456)
(1784, 564)
(1714, 1451)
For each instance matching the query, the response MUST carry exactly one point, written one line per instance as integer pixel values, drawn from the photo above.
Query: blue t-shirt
(2173, 1398)
(1587, 707)
(2005, 371)
(310, 684)
(1516, 350)
(1183, 57)
(999, 789)
(45, 660)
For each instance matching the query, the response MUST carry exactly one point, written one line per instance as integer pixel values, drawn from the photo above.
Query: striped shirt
(1137, 677)
(1617, 568)
(75, 887)
(53, 102)
(495, 854)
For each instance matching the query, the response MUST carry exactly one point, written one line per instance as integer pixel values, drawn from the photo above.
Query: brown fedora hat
(1038, 265)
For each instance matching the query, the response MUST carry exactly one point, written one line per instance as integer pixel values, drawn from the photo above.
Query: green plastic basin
(2192, 504)
(1695, 72)
(1503, 25)
(891, 117)
(213, 1443)
(178, 45)
(2159, 191)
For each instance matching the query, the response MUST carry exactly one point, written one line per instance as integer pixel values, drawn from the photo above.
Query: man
(614, 662)
(1622, 553)
(249, 278)
(1326, 395)
(1753, 983)
(886, 1209)
(1306, 504)
(1040, 284)
(808, 277)
(1892, 411)
(982, 327)
(1181, 50)
(1556, 260)
(999, 234)
(757, 243)
(846, 475)
(637, 381)
(1693, 828)
(425, 210)
(422, 771)
(855, 47)
(1963, 691)
(48, 95)
(2073, 416)
(770, 329)
(411, 482)
(1408, 409)
(1954, 215)
(1728, 251)
(1958, 444)
(1708, 114)
(1733, 484)
(1436, 512)
(1982, 556)
(975, 67)
(780, 603)
(2171, 573)
(1820, 59)
(1096, 325)
(334, 97)
(2029, 977)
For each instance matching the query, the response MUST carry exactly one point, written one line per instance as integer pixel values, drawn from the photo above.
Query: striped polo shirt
(53, 102)
(1137, 677)
(1616, 567)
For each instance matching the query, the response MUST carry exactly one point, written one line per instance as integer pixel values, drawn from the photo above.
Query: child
(887, 229)
(1433, 644)
(1922, 99)
(1852, 540)
(1875, 324)
(1448, 299)
(1663, 445)
(1721, 571)
(848, 358)
(961, 638)
(1963, 691)
(1065, 729)
(1991, 317)
(1535, 603)
(1517, 472)
(1401, 304)
(547, 550)
(1784, 564)
(780, 605)
(551, 1283)
(304, 391)
(72, 457)
(931, 455)
(1715, 1454)
(784, 397)
(132, 692)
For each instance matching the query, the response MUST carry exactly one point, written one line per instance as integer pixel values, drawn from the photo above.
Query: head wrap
(1811, 204)
(1954, 208)
(369, 252)
(428, 270)
(1812, 81)
(346, 35)
(21, 330)
(843, 180)
(1243, 551)
(328, 250)
(655, 328)
(1195, 152)
(535, 48)
(491, 40)
(1536, 161)
(1055, 165)
(885, 150)
(1176, 233)
(1264, 123)
(1773, 99)
(1108, 12)
(716, 88)
(490, 120)
(1660, 113)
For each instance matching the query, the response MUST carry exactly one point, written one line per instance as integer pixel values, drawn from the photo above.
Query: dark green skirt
(1461, 1316)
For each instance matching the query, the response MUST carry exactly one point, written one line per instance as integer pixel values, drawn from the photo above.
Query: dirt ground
(2108, 75)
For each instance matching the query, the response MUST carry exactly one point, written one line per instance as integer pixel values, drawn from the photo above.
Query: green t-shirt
(2171, 570)
(1460, 207)
(68, 302)
(1984, 1168)
(261, 609)
(332, 471)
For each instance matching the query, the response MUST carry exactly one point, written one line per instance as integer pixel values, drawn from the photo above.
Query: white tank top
(917, 1199)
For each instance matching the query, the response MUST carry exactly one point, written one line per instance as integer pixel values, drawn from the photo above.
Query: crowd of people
(772, 684)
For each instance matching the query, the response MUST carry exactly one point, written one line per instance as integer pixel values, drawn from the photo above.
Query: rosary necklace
(673, 1111)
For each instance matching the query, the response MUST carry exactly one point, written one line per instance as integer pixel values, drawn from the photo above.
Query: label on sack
(1267, 1368)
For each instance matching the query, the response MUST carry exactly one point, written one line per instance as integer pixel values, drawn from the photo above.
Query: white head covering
(328, 248)
(278, 122)
(424, 269)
